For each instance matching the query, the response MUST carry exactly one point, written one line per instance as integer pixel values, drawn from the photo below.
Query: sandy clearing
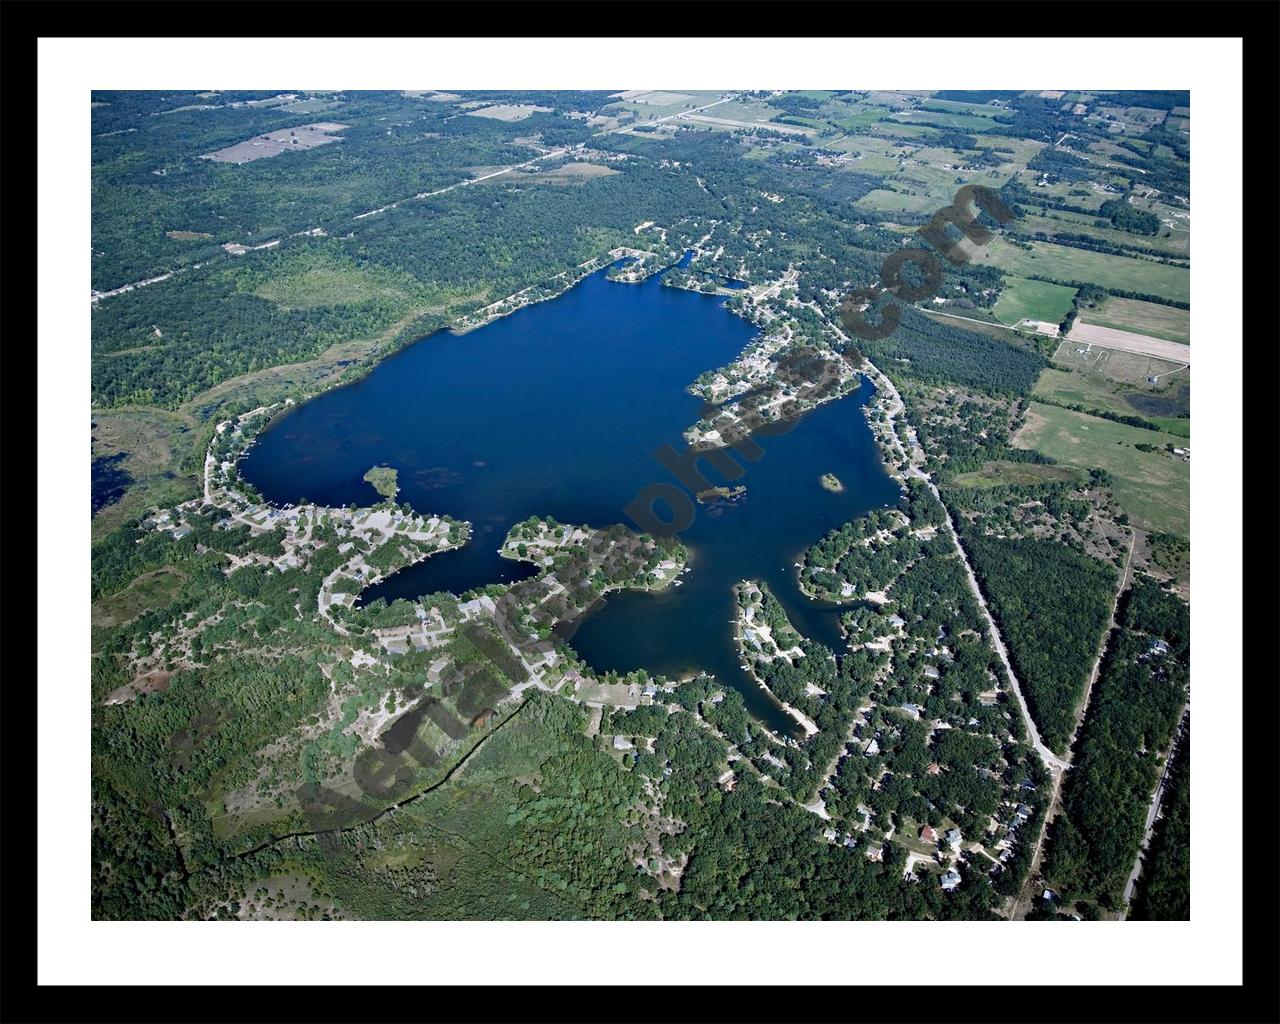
(1127, 341)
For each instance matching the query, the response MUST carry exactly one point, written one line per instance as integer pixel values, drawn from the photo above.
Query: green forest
(1132, 716)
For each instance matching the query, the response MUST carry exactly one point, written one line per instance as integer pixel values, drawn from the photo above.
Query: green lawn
(1063, 263)
(1033, 300)
(1154, 488)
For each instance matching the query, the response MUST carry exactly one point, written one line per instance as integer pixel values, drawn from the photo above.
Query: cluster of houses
(953, 841)
(1020, 816)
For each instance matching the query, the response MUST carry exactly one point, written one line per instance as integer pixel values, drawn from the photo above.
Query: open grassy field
(334, 284)
(571, 174)
(999, 472)
(1033, 300)
(1177, 245)
(149, 447)
(509, 111)
(1125, 367)
(1094, 390)
(1152, 487)
(857, 120)
(149, 591)
(1063, 263)
(961, 122)
(883, 199)
(1151, 318)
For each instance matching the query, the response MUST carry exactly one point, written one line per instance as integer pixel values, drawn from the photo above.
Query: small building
(912, 709)
(954, 839)
(872, 748)
(934, 769)
(621, 743)
(950, 880)
(928, 835)
(1157, 646)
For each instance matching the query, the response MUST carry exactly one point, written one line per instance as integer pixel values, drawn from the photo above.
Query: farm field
(1154, 488)
(1033, 300)
(963, 122)
(1063, 263)
(1151, 318)
(1177, 245)
(269, 144)
(509, 111)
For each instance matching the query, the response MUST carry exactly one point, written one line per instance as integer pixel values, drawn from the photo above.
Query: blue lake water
(557, 410)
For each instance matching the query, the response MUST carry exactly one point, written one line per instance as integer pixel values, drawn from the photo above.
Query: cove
(556, 410)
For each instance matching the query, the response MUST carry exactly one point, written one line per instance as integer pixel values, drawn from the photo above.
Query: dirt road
(1153, 813)
(1126, 341)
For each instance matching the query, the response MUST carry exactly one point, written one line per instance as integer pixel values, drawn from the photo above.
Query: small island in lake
(710, 495)
(384, 481)
(831, 482)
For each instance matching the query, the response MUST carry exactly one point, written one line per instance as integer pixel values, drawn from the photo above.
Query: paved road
(1153, 812)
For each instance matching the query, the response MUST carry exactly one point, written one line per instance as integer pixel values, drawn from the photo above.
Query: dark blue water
(109, 481)
(556, 410)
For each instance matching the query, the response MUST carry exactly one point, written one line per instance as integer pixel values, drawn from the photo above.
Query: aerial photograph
(639, 505)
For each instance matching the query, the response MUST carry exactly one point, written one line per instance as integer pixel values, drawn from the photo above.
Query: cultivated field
(1063, 263)
(305, 136)
(1177, 245)
(1154, 487)
(509, 111)
(1150, 318)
